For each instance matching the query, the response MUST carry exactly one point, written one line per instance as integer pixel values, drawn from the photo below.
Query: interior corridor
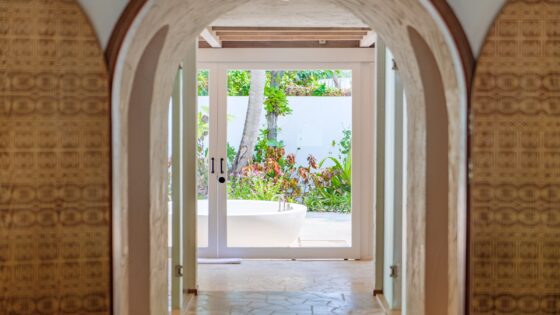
(286, 287)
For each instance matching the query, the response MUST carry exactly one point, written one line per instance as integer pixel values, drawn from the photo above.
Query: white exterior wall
(311, 127)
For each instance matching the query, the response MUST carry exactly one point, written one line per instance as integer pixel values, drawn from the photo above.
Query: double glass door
(279, 154)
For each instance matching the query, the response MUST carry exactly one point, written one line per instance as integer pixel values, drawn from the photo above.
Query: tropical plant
(202, 79)
(346, 142)
(267, 179)
(331, 187)
(202, 154)
(275, 105)
(263, 144)
(293, 82)
(276, 102)
(231, 153)
(239, 82)
(254, 188)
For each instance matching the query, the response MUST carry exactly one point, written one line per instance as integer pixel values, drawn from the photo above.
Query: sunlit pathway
(325, 229)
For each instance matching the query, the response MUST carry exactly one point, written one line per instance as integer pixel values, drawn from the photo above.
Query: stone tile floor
(276, 303)
(286, 287)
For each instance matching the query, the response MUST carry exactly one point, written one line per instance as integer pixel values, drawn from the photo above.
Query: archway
(159, 37)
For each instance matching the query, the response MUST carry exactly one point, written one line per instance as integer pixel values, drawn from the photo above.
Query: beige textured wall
(54, 162)
(515, 188)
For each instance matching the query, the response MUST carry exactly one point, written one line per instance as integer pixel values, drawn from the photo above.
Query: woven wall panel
(54, 161)
(515, 171)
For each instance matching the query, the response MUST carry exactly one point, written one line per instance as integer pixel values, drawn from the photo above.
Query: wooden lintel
(211, 38)
(287, 29)
(291, 33)
(266, 38)
(369, 39)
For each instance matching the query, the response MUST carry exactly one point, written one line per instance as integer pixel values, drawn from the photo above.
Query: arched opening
(139, 185)
(391, 21)
(437, 256)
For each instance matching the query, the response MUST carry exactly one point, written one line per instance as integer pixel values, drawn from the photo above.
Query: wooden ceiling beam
(261, 38)
(286, 44)
(287, 29)
(292, 33)
(306, 36)
(211, 38)
(369, 39)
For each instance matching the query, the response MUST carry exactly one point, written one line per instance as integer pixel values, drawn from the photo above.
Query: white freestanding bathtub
(253, 223)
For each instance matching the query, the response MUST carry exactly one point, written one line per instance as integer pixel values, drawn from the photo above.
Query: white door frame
(360, 61)
(213, 77)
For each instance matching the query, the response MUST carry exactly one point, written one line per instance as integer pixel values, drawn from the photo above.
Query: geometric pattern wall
(54, 161)
(515, 164)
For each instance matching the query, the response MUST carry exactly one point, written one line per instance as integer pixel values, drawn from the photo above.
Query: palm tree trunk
(272, 126)
(272, 118)
(335, 80)
(252, 120)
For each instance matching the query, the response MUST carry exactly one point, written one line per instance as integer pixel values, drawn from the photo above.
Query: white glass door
(206, 144)
(279, 178)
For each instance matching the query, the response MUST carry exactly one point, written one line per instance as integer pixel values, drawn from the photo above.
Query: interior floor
(286, 287)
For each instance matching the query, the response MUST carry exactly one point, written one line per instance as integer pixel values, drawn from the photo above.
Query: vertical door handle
(222, 179)
(212, 166)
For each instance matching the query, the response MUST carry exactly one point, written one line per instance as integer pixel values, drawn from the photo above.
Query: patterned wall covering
(515, 187)
(54, 161)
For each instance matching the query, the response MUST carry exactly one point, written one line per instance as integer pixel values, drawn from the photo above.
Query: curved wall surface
(515, 161)
(54, 161)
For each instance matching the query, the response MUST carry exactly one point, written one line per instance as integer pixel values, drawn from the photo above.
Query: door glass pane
(202, 158)
(289, 135)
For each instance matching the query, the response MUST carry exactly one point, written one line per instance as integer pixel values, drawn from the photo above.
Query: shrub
(274, 173)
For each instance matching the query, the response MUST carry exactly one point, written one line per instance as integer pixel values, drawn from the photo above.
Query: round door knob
(222, 180)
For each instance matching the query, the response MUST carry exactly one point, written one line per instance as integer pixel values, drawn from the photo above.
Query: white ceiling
(292, 13)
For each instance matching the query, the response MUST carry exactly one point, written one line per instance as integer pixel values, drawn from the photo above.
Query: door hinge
(178, 270)
(394, 271)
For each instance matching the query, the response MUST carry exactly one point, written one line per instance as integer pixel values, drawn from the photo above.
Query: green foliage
(322, 200)
(306, 83)
(239, 82)
(202, 77)
(320, 90)
(293, 83)
(262, 145)
(253, 188)
(267, 179)
(276, 102)
(202, 154)
(346, 142)
(231, 153)
(318, 186)
(332, 187)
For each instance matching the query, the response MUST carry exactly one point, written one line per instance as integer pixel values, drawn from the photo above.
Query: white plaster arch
(185, 20)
